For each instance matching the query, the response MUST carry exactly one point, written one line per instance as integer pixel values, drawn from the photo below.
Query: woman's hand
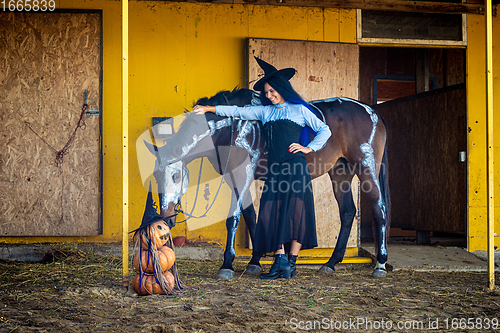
(201, 109)
(296, 147)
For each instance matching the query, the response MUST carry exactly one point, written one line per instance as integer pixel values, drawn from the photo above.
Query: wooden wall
(48, 60)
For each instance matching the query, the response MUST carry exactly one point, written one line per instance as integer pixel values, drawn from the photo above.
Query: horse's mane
(224, 96)
(238, 96)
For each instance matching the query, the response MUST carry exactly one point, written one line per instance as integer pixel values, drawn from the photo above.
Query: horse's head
(192, 140)
(172, 177)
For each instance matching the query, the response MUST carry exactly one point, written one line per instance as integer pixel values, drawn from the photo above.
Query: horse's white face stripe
(176, 183)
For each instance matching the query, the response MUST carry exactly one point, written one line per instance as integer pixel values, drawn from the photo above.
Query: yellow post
(125, 141)
(489, 109)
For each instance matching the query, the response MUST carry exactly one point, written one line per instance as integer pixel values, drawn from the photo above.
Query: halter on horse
(236, 149)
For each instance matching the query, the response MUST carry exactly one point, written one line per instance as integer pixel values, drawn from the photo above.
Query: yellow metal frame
(315, 261)
(314, 253)
(490, 147)
(125, 141)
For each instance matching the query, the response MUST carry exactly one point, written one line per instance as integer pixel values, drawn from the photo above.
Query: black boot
(280, 268)
(293, 269)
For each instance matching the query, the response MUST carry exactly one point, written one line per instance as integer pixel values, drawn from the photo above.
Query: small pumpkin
(165, 255)
(169, 256)
(148, 285)
(169, 279)
(158, 232)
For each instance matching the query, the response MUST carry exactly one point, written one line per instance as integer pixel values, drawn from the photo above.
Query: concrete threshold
(433, 258)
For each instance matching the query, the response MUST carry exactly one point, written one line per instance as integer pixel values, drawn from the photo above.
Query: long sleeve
(246, 112)
(322, 130)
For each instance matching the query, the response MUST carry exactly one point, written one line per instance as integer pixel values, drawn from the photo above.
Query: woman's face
(273, 95)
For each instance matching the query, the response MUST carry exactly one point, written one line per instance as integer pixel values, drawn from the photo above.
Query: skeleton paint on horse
(236, 149)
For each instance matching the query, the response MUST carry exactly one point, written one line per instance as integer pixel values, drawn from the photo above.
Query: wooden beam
(390, 5)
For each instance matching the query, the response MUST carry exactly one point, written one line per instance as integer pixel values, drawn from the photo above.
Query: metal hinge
(90, 112)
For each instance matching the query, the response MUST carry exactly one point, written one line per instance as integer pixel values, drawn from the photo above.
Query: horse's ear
(151, 147)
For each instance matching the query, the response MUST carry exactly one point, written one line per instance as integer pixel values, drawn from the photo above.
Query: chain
(60, 153)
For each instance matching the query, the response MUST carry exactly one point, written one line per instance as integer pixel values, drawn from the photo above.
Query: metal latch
(462, 156)
(90, 112)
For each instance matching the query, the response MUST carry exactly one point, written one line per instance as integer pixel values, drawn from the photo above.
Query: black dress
(287, 204)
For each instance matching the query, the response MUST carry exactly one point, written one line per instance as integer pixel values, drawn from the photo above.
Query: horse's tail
(384, 184)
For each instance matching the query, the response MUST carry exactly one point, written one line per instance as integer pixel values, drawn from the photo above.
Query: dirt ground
(76, 291)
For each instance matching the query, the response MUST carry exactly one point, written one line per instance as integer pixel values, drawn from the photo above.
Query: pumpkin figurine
(158, 233)
(165, 256)
(155, 257)
(148, 284)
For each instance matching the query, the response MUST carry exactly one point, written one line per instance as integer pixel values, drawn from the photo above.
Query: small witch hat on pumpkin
(269, 72)
(150, 215)
(151, 237)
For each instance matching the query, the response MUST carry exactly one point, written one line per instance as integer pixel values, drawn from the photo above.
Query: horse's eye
(177, 177)
(177, 151)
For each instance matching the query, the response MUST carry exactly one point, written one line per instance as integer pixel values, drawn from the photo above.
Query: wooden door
(427, 132)
(324, 70)
(48, 61)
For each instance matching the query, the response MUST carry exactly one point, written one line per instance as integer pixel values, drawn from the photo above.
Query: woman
(286, 220)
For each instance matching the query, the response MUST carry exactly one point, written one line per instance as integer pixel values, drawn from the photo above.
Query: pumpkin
(169, 279)
(148, 285)
(165, 255)
(158, 232)
(169, 256)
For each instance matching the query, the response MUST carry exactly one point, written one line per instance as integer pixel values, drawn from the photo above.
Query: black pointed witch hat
(150, 214)
(269, 72)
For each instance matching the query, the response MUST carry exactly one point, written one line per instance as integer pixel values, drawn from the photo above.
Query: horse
(358, 146)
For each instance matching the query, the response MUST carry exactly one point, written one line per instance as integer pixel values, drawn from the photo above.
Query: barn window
(389, 87)
(376, 26)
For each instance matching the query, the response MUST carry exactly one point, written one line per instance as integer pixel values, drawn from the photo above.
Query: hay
(65, 265)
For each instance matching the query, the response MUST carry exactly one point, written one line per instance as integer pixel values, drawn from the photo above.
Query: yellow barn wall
(476, 122)
(180, 52)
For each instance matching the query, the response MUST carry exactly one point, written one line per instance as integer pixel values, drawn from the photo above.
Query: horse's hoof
(379, 272)
(253, 269)
(326, 270)
(225, 274)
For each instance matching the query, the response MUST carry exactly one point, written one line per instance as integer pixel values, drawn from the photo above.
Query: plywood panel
(48, 60)
(426, 134)
(324, 70)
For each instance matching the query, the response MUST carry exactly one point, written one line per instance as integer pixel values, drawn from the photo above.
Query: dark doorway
(427, 137)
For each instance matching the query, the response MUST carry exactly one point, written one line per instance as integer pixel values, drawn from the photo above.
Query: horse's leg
(341, 177)
(226, 272)
(371, 187)
(250, 217)
(237, 180)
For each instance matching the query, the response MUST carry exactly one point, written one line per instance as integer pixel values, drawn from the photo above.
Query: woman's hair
(285, 89)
